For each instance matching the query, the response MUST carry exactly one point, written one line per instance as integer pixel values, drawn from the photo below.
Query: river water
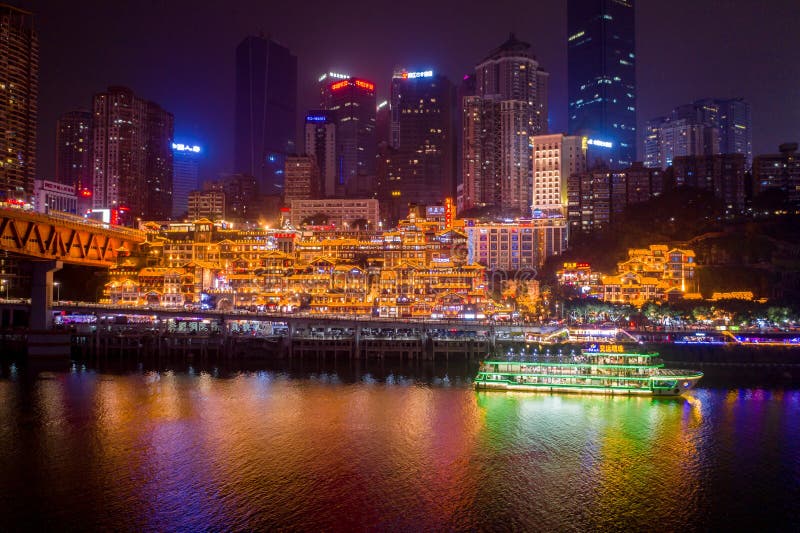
(382, 447)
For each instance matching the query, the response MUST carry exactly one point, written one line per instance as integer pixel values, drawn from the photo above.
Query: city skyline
(203, 103)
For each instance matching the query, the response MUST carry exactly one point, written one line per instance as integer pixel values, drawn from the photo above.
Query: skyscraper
(19, 90)
(509, 106)
(132, 156)
(185, 170)
(266, 103)
(353, 104)
(422, 128)
(74, 149)
(512, 72)
(725, 123)
(601, 55)
(321, 144)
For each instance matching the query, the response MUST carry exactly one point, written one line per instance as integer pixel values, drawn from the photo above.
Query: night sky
(180, 54)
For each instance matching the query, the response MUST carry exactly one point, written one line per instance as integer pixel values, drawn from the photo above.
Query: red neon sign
(86, 193)
(365, 85)
(339, 84)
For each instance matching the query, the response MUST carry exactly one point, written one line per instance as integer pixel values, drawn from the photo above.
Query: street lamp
(5, 286)
(58, 290)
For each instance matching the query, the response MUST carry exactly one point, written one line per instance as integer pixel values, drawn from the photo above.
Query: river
(382, 446)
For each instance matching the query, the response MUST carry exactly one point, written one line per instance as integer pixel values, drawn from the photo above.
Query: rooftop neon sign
(412, 75)
(334, 75)
(316, 118)
(358, 83)
(602, 144)
(180, 147)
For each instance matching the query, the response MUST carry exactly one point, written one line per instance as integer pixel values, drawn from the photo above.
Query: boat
(614, 369)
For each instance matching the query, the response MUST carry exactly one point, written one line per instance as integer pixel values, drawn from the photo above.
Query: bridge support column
(42, 294)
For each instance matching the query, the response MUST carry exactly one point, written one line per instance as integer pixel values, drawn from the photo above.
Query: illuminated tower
(352, 102)
(186, 167)
(601, 60)
(321, 144)
(422, 128)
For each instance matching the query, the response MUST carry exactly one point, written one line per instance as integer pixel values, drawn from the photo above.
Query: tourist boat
(600, 369)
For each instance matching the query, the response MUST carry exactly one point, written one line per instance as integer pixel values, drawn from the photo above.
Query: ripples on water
(385, 447)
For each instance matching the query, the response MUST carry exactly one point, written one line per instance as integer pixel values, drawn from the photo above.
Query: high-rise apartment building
(671, 137)
(352, 102)
(266, 103)
(132, 156)
(320, 132)
(601, 59)
(704, 127)
(555, 158)
(422, 130)
(19, 90)
(186, 171)
(480, 152)
(509, 106)
(302, 178)
(74, 149)
(512, 72)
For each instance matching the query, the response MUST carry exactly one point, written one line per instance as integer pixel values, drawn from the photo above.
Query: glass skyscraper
(266, 103)
(601, 48)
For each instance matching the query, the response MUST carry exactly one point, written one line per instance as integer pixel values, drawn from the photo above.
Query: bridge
(49, 240)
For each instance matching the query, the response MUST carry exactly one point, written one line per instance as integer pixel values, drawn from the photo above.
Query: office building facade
(54, 196)
(19, 93)
(340, 212)
(132, 156)
(301, 178)
(320, 135)
(266, 111)
(601, 59)
(353, 104)
(186, 172)
(523, 245)
(421, 109)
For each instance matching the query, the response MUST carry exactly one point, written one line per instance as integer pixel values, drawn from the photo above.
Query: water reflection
(383, 445)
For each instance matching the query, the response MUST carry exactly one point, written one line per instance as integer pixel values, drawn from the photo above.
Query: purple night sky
(180, 54)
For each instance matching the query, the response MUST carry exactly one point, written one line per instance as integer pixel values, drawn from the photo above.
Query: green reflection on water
(616, 455)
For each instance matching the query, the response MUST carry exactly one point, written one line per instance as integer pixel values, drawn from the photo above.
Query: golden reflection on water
(257, 450)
